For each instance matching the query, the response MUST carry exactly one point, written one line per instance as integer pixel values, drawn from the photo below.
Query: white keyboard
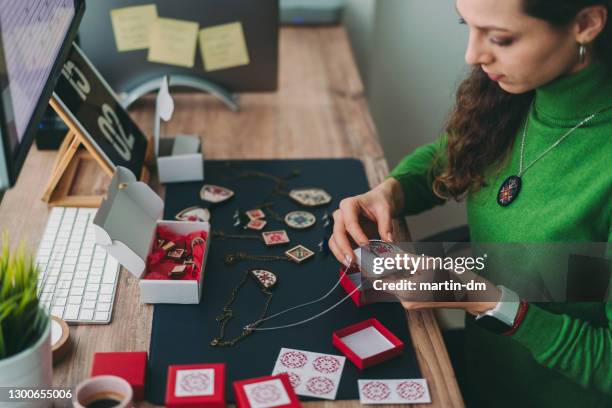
(78, 279)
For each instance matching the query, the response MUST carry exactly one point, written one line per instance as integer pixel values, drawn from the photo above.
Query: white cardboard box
(179, 158)
(126, 226)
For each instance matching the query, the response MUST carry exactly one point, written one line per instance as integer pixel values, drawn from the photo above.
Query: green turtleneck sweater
(561, 355)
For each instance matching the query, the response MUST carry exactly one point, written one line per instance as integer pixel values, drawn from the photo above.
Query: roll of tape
(60, 339)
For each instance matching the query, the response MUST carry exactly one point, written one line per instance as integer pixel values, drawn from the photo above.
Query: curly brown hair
(482, 127)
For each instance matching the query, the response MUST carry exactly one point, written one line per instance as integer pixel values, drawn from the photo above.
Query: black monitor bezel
(14, 161)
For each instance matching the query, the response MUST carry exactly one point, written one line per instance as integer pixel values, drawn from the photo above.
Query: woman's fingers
(344, 251)
(385, 223)
(350, 209)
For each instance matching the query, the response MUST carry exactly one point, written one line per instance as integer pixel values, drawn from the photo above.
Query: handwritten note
(223, 46)
(174, 42)
(132, 25)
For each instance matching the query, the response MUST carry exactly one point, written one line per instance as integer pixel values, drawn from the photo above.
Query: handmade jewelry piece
(166, 246)
(327, 233)
(511, 187)
(193, 214)
(266, 280)
(270, 238)
(297, 254)
(255, 214)
(300, 219)
(215, 194)
(310, 197)
(177, 272)
(175, 254)
(256, 225)
(273, 238)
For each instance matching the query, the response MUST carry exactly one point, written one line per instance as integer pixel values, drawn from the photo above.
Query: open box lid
(127, 219)
(164, 109)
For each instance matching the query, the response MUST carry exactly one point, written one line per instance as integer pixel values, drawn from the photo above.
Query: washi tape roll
(60, 339)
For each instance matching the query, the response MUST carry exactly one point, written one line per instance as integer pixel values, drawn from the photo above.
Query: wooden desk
(319, 111)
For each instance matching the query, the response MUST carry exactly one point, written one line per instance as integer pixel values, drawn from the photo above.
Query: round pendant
(300, 219)
(509, 190)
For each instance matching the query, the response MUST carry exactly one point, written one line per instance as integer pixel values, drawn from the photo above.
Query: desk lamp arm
(229, 99)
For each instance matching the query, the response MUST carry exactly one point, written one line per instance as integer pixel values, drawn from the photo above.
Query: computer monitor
(125, 71)
(35, 37)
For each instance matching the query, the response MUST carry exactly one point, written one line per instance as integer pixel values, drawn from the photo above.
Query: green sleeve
(577, 349)
(415, 175)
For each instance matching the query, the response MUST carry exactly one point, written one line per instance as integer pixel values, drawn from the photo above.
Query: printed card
(311, 374)
(267, 394)
(198, 382)
(409, 391)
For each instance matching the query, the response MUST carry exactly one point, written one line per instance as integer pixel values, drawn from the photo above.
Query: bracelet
(520, 316)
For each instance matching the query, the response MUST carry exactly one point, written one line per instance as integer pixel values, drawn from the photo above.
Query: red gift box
(266, 392)
(196, 386)
(349, 285)
(131, 366)
(367, 343)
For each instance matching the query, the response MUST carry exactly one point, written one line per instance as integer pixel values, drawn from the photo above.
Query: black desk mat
(181, 333)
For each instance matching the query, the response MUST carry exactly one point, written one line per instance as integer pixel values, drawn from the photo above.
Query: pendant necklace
(511, 187)
(266, 280)
(298, 254)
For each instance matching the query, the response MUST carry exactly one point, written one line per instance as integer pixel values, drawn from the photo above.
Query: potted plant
(25, 332)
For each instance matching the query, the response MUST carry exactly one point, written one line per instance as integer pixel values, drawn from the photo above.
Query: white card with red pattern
(408, 391)
(311, 374)
(195, 383)
(266, 394)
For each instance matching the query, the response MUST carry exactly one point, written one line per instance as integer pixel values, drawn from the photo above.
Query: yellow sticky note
(223, 46)
(132, 25)
(174, 42)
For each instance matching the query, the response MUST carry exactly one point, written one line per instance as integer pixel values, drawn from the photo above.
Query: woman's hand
(363, 215)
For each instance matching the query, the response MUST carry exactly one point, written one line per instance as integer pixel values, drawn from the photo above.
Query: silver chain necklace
(511, 187)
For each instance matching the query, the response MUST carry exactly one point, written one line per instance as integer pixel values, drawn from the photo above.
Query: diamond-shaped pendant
(299, 254)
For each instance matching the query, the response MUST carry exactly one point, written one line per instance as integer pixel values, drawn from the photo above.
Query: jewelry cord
(329, 309)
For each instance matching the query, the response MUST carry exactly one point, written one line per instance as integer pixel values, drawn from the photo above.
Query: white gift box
(179, 158)
(126, 225)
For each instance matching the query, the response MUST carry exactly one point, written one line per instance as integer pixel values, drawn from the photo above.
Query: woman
(537, 105)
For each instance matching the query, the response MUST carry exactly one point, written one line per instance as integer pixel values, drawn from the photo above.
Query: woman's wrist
(394, 192)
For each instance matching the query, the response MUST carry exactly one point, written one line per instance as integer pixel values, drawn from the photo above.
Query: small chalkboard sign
(97, 121)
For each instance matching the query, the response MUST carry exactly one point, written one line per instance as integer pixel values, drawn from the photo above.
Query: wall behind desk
(410, 54)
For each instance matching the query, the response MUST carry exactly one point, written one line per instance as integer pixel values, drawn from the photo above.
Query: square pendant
(215, 194)
(299, 254)
(255, 214)
(272, 238)
(256, 225)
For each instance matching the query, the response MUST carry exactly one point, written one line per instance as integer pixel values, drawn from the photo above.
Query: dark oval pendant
(509, 190)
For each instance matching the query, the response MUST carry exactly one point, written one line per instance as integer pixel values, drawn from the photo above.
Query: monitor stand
(184, 81)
